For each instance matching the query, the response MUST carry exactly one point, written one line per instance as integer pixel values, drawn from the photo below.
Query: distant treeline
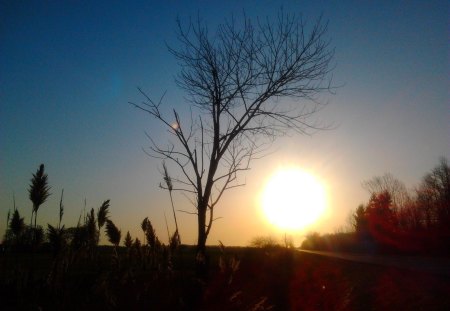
(395, 220)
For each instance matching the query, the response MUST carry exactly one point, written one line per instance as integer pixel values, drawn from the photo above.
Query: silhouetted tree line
(397, 221)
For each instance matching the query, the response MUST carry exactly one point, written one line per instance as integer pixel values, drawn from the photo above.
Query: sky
(68, 70)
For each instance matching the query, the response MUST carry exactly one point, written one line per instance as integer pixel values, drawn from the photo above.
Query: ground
(240, 279)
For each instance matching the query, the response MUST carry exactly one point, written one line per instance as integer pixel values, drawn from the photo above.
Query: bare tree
(247, 84)
(433, 196)
(388, 183)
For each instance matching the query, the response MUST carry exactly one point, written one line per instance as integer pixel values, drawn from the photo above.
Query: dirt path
(435, 265)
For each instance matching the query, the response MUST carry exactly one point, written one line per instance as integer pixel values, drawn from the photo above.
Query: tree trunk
(201, 262)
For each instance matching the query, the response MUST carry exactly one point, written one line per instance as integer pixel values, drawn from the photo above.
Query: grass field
(239, 279)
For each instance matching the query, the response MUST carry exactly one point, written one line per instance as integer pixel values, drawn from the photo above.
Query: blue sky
(68, 70)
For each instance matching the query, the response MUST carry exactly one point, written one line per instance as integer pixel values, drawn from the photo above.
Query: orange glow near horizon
(293, 199)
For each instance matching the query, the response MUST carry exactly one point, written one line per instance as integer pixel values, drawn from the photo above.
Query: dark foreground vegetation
(239, 279)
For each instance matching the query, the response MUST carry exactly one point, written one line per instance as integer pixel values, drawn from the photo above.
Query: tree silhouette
(264, 242)
(39, 191)
(247, 84)
(381, 218)
(388, 183)
(360, 222)
(434, 196)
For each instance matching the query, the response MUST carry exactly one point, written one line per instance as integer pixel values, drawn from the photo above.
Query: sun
(293, 199)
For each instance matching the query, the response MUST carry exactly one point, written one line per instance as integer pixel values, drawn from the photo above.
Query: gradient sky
(69, 68)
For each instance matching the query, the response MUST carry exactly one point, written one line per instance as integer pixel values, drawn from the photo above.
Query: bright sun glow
(293, 199)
